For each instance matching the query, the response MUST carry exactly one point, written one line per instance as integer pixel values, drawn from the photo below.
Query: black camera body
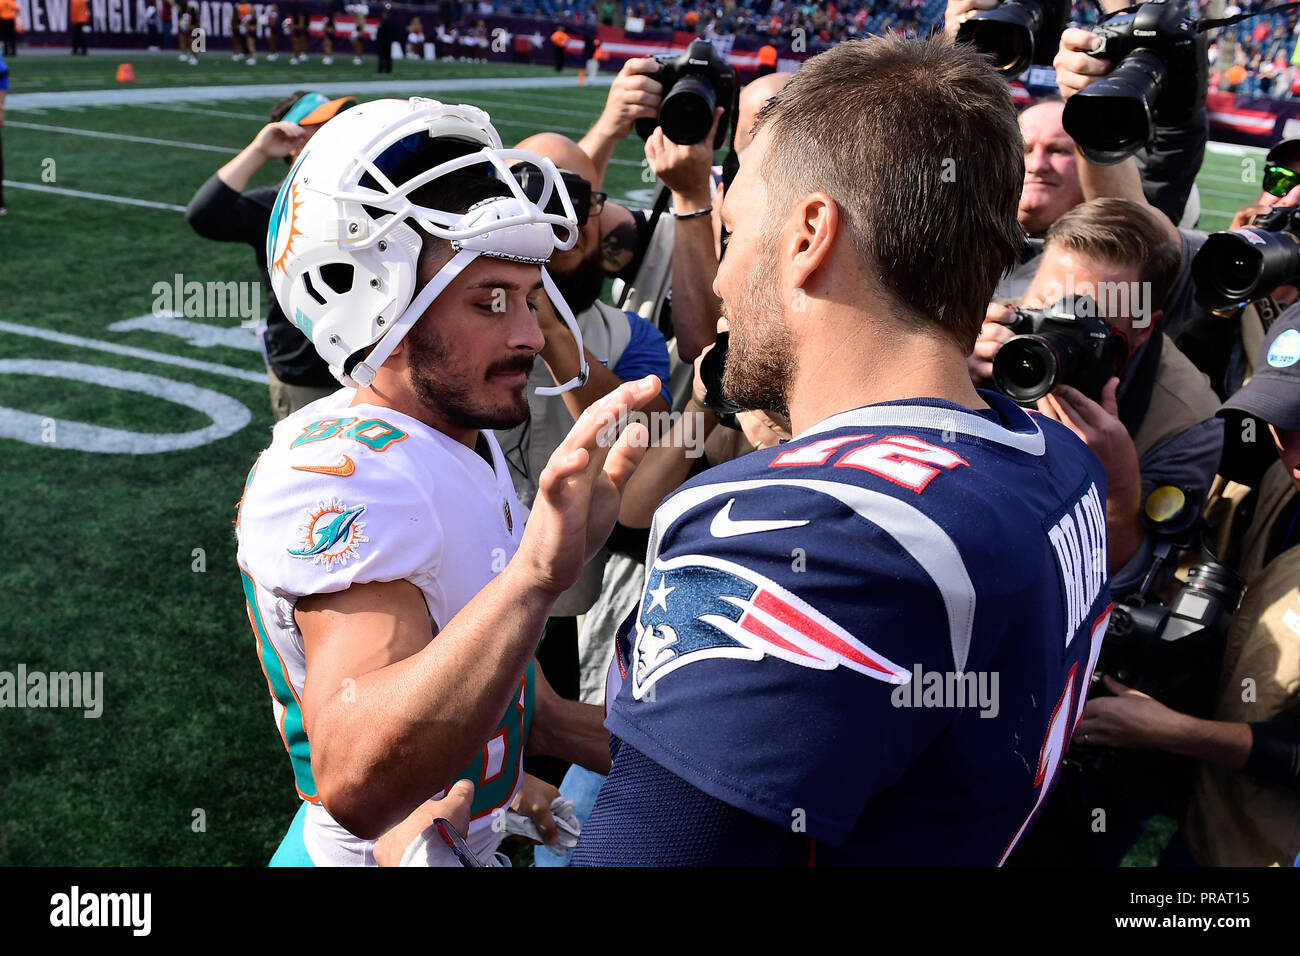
(1174, 653)
(1241, 265)
(695, 84)
(1017, 33)
(1067, 343)
(1162, 75)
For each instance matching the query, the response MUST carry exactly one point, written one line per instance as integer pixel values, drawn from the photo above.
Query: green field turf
(130, 566)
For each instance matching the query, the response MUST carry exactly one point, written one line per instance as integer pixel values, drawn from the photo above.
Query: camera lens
(1112, 119)
(1240, 265)
(687, 111)
(1026, 368)
(1005, 34)
(1009, 45)
(1221, 581)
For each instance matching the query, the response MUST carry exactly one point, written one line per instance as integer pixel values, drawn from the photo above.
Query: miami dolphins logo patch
(331, 534)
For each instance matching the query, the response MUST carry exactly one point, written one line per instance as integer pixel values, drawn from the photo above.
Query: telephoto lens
(1005, 34)
(1244, 264)
(1115, 117)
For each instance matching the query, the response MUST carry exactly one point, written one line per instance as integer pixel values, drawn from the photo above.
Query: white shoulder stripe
(927, 543)
(940, 419)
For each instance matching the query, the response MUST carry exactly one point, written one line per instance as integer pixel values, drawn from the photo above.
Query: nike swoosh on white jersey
(725, 526)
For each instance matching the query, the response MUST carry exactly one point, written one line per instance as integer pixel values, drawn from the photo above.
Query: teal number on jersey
(497, 768)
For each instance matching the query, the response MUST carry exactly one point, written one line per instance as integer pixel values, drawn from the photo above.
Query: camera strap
(1135, 394)
(1203, 25)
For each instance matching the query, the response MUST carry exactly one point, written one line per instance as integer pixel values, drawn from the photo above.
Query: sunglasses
(1278, 180)
(586, 201)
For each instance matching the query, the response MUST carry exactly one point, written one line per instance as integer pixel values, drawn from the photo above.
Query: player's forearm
(695, 265)
(666, 465)
(396, 735)
(572, 731)
(239, 172)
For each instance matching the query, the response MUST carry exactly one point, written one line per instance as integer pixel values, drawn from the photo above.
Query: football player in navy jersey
(871, 643)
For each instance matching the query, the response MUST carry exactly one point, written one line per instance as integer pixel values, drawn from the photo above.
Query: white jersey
(349, 494)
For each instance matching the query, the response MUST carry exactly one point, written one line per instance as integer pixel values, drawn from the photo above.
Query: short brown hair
(918, 143)
(1123, 231)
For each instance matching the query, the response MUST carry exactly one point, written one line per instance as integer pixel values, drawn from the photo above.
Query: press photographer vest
(1232, 820)
(1177, 396)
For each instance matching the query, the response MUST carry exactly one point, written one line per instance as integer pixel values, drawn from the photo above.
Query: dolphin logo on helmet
(343, 255)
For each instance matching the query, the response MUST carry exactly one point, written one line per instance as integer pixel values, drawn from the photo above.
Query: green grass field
(130, 568)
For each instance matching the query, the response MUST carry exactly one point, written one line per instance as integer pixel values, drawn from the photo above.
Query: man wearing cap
(225, 209)
(1246, 799)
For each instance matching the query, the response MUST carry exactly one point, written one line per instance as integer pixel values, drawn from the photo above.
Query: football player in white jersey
(394, 588)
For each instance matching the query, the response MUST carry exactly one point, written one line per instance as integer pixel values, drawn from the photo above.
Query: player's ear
(816, 223)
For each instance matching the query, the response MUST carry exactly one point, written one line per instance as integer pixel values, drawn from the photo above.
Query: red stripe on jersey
(757, 627)
(805, 625)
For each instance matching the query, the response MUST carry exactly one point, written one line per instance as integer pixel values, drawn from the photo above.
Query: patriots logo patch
(697, 607)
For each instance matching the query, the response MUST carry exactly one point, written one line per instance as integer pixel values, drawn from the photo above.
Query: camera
(1174, 653)
(1245, 264)
(712, 368)
(1064, 344)
(695, 84)
(1017, 33)
(1162, 75)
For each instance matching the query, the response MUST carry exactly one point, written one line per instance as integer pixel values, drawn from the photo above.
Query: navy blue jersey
(879, 634)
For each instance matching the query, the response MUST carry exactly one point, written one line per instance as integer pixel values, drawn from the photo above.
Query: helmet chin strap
(584, 371)
(363, 374)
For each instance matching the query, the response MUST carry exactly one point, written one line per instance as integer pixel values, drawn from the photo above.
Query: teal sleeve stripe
(295, 736)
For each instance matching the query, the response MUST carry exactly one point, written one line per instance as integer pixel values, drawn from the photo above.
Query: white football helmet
(345, 274)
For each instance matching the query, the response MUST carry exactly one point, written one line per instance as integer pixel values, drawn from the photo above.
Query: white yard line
(197, 110)
(125, 137)
(65, 339)
(79, 99)
(102, 197)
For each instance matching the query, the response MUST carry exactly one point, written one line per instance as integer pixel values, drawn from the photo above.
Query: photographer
(1222, 342)
(1246, 797)
(686, 171)
(1055, 175)
(620, 346)
(225, 209)
(1155, 424)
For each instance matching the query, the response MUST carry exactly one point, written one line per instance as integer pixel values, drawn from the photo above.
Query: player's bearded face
(463, 396)
(760, 357)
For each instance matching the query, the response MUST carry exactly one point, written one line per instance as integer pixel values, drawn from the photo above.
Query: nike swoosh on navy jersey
(725, 526)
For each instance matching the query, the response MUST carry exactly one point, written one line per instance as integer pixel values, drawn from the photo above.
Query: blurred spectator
(79, 20)
(415, 39)
(386, 35)
(559, 39)
(8, 27)
(225, 209)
